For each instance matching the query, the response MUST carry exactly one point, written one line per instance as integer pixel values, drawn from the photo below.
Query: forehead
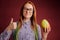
(27, 5)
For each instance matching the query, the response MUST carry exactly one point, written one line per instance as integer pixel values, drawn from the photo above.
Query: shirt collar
(26, 22)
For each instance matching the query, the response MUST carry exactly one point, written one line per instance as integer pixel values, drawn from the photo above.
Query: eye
(28, 9)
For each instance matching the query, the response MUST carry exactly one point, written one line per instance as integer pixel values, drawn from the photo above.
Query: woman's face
(28, 11)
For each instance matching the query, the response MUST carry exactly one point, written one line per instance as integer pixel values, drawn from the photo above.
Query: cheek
(31, 14)
(24, 13)
(27, 14)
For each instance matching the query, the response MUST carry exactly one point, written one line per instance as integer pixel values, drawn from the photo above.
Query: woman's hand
(46, 28)
(10, 26)
(46, 32)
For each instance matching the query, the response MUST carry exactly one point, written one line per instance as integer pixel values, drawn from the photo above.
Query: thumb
(11, 20)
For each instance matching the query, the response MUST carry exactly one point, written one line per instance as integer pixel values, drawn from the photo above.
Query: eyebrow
(28, 8)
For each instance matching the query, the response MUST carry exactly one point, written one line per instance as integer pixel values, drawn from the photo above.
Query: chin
(27, 17)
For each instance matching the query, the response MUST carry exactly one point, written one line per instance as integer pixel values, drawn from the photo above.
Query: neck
(25, 20)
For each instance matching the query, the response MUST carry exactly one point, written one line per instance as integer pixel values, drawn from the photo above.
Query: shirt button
(25, 27)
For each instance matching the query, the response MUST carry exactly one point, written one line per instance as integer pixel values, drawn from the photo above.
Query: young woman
(27, 27)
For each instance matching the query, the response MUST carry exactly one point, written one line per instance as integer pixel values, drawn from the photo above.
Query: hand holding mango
(45, 24)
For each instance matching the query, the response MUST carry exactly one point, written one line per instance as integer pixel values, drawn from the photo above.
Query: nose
(27, 11)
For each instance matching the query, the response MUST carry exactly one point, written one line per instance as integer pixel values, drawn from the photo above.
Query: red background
(45, 9)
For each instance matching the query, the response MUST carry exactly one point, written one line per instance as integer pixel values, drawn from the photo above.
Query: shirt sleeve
(5, 35)
(39, 32)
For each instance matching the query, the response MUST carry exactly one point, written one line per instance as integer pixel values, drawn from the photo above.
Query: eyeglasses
(26, 9)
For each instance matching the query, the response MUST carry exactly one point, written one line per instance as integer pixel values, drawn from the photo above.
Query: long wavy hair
(33, 18)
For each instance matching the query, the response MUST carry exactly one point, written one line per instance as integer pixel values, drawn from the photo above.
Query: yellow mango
(45, 23)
